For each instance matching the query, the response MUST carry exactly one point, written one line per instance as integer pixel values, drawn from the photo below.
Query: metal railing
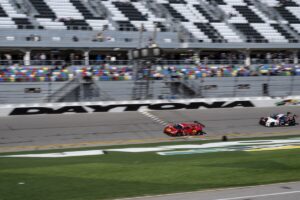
(32, 62)
(254, 61)
(272, 61)
(47, 62)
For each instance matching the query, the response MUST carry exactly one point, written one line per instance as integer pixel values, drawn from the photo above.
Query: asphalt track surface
(63, 131)
(281, 191)
(74, 130)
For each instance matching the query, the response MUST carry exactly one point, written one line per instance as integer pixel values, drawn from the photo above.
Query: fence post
(86, 58)
(235, 86)
(295, 56)
(292, 85)
(265, 89)
(247, 58)
(49, 91)
(26, 58)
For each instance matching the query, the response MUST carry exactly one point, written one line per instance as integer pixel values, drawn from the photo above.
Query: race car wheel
(201, 133)
(262, 121)
(179, 134)
(272, 124)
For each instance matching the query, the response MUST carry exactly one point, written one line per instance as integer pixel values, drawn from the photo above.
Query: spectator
(43, 58)
(105, 27)
(100, 37)
(75, 38)
(61, 19)
(8, 58)
(111, 39)
(33, 37)
(36, 38)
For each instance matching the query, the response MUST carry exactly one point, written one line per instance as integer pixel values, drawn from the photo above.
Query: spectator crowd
(107, 72)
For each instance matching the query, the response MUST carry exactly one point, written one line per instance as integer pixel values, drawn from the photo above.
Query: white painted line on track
(154, 118)
(261, 195)
(211, 190)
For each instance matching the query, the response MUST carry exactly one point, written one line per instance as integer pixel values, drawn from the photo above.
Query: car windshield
(178, 126)
(274, 116)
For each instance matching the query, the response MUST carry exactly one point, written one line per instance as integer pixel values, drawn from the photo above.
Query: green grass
(117, 175)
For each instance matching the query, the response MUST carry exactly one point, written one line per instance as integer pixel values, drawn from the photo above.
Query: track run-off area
(54, 131)
(279, 191)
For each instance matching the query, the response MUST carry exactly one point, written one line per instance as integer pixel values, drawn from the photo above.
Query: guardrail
(254, 61)
(32, 62)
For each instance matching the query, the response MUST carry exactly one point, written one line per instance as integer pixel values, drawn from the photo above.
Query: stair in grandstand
(251, 34)
(83, 10)
(130, 11)
(287, 15)
(11, 17)
(142, 90)
(248, 14)
(188, 89)
(182, 88)
(295, 28)
(206, 14)
(65, 93)
(110, 91)
(43, 9)
(285, 33)
(2, 12)
(162, 90)
(176, 15)
(211, 32)
(90, 92)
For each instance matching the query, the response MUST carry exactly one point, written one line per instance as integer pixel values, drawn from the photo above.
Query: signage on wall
(128, 107)
(32, 90)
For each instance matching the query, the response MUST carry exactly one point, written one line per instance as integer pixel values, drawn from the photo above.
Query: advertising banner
(148, 105)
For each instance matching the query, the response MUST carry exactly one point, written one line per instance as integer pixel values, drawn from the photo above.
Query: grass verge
(118, 175)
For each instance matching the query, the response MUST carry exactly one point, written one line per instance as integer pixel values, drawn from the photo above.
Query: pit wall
(146, 105)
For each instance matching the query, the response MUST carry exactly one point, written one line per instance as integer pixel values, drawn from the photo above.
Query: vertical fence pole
(235, 86)
(292, 85)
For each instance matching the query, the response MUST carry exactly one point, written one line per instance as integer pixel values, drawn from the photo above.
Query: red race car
(184, 129)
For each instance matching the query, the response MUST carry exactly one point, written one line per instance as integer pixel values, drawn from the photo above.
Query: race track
(279, 191)
(72, 130)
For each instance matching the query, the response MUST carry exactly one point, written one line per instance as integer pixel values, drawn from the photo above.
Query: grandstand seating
(121, 22)
(34, 74)
(121, 72)
(172, 81)
(216, 21)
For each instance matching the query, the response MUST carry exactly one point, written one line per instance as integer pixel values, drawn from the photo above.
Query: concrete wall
(213, 87)
(15, 92)
(145, 105)
(121, 39)
(248, 86)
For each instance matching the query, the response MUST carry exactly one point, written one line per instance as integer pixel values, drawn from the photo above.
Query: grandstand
(76, 50)
(202, 21)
